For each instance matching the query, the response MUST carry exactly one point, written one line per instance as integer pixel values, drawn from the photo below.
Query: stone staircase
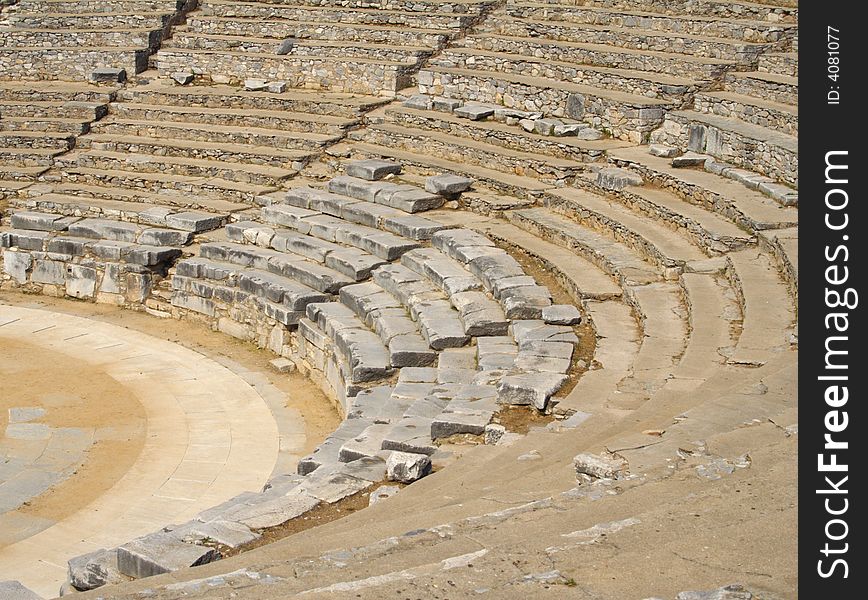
(84, 37)
(362, 47)
(39, 122)
(204, 147)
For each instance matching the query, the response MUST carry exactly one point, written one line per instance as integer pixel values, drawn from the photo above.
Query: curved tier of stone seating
(88, 39)
(392, 349)
(410, 314)
(38, 122)
(205, 147)
(104, 260)
(369, 47)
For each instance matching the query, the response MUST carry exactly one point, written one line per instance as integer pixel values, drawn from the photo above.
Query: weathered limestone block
(529, 388)
(372, 169)
(474, 112)
(226, 533)
(418, 102)
(690, 159)
(93, 570)
(407, 467)
(272, 511)
(15, 590)
(161, 553)
(17, 265)
(182, 77)
(411, 434)
(561, 314)
(599, 466)
(80, 281)
(447, 185)
(617, 179)
(108, 75)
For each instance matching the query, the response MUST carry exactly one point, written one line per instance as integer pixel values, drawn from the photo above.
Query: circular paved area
(209, 436)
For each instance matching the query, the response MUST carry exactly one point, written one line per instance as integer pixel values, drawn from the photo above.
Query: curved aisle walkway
(210, 436)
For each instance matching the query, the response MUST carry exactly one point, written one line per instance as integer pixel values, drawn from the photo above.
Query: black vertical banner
(832, 271)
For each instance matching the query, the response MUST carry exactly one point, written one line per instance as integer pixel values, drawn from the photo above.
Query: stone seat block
(441, 325)
(128, 232)
(328, 451)
(372, 169)
(449, 240)
(533, 389)
(272, 511)
(528, 332)
(481, 315)
(449, 275)
(161, 553)
(280, 290)
(525, 302)
(407, 198)
(194, 221)
(107, 250)
(374, 405)
(36, 221)
(368, 443)
(411, 434)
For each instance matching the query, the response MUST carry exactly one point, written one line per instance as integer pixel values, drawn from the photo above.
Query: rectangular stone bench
(293, 266)
(351, 262)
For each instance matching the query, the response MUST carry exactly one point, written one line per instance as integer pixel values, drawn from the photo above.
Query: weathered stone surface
(161, 553)
(276, 87)
(108, 75)
(192, 221)
(255, 85)
(418, 102)
(16, 265)
(525, 302)
(589, 134)
(80, 281)
(599, 466)
(575, 106)
(407, 467)
(410, 350)
(37, 221)
(368, 443)
(529, 388)
(382, 493)
(182, 78)
(94, 570)
(333, 487)
(448, 185)
(689, 159)
(568, 129)
(474, 112)
(445, 104)
(411, 434)
(271, 512)
(227, 533)
(546, 126)
(561, 314)
(15, 590)
(286, 46)
(460, 417)
(493, 433)
(617, 179)
(728, 592)
(663, 151)
(372, 169)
